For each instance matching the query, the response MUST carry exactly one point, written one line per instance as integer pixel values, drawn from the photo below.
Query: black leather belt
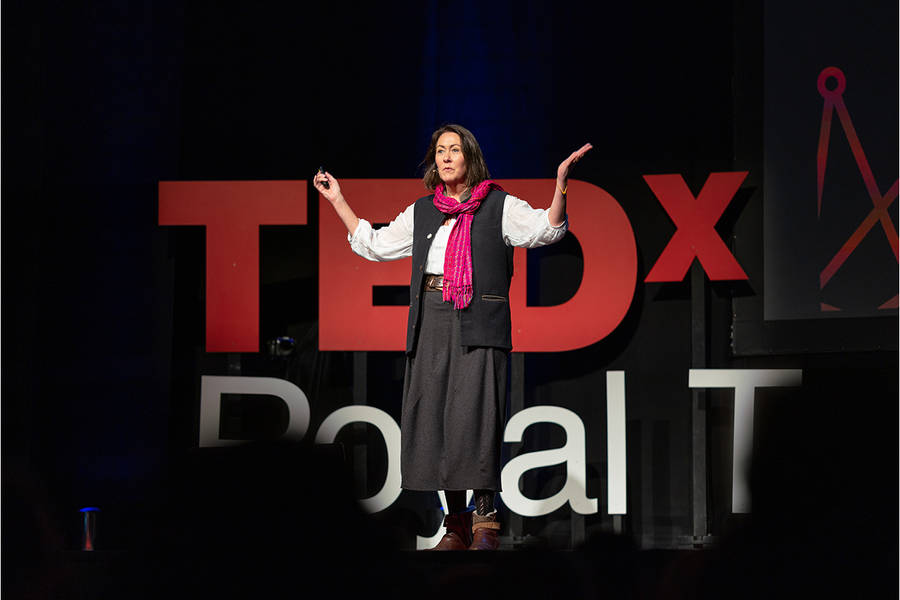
(434, 283)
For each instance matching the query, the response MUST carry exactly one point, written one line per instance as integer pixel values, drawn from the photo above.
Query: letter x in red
(695, 219)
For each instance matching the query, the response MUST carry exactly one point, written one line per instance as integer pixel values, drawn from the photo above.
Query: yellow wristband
(562, 190)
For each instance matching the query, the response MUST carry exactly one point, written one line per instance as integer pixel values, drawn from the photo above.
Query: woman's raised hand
(557, 211)
(562, 173)
(330, 193)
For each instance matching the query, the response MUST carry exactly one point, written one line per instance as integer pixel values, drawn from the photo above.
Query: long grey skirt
(454, 398)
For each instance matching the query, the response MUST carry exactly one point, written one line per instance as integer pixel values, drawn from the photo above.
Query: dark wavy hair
(476, 168)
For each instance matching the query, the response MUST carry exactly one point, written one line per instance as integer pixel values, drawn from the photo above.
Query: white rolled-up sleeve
(528, 227)
(391, 242)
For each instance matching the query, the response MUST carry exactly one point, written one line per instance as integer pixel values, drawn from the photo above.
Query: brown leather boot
(459, 532)
(484, 532)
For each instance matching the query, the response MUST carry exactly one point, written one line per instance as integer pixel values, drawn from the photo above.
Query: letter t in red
(232, 212)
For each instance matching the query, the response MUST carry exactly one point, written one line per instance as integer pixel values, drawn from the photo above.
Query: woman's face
(449, 159)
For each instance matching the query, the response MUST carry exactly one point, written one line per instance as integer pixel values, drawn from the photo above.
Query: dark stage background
(103, 309)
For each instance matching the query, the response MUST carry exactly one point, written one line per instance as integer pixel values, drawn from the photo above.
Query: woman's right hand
(333, 192)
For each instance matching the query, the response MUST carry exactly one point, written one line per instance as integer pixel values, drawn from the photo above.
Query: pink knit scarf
(458, 258)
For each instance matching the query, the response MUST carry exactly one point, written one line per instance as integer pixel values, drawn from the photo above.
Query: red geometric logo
(834, 101)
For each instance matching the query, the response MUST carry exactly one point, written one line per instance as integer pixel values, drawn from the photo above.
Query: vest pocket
(493, 298)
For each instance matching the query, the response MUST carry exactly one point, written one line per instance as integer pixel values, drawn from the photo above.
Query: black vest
(486, 321)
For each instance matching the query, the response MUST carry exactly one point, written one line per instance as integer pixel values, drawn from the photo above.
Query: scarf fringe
(460, 295)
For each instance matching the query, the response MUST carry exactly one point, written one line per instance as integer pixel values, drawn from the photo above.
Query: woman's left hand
(562, 173)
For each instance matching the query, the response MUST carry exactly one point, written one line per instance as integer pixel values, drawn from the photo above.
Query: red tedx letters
(232, 212)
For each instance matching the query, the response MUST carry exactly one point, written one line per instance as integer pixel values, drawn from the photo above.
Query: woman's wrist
(562, 184)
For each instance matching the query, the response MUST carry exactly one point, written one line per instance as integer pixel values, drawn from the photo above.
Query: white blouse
(522, 226)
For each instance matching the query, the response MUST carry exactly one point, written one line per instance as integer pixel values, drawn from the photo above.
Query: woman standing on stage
(459, 332)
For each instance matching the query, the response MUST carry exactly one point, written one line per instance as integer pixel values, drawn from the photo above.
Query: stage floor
(607, 568)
